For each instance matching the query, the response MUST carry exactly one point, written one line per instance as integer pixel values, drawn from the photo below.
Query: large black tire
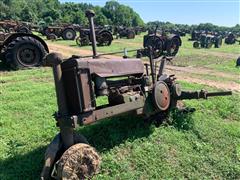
(24, 29)
(173, 46)
(69, 34)
(196, 44)
(238, 62)
(157, 45)
(24, 52)
(104, 39)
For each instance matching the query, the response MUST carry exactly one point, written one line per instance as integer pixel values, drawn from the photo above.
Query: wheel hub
(161, 96)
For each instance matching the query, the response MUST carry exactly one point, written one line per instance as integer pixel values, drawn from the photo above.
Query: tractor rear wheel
(157, 45)
(24, 52)
(173, 46)
(69, 34)
(104, 39)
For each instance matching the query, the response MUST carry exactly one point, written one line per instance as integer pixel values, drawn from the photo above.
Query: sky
(219, 12)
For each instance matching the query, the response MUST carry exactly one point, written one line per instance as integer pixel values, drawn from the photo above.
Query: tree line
(52, 11)
(165, 26)
(113, 13)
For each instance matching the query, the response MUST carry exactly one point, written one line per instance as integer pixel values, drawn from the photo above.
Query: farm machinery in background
(162, 44)
(207, 41)
(10, 26)
(64, 31)
(22, 50)
(124, 32)
(130, 86)
(231, 39)
(104, 37)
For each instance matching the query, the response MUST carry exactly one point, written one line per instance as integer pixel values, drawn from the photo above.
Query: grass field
(202, 145)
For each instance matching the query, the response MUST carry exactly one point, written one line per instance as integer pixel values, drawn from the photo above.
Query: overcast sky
(219, 12)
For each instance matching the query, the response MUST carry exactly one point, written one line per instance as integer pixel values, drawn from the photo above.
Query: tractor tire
(157, 46)
(80, 161)
(24, 29)
(173, 46)
(131, 35)
(218, 42)
(51, 36)
(196, 44)
(238, 62)
(104, 39)
(209, 45)
(24, 52)
(69, 34)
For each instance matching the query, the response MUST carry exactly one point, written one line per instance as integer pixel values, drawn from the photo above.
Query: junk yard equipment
(10, 26)
(167, 45)
(79, 80)
(103, 37)
(21, 50)
(64, 31)
(207, 41)
(124, 32)
(231, 39)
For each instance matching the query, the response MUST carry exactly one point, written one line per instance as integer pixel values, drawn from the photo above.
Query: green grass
(203, 144)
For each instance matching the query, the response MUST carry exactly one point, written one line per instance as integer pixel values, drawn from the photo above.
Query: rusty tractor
(129, 86)
(231, 39)
(207, 41)
(64, 31)
(125, 32)
(10, 26)
(162, 44)
(104, 37)
(21, 50)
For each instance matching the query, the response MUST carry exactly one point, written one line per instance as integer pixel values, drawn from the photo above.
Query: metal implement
(79, 81)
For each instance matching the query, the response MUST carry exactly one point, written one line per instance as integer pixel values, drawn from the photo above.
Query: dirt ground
(182, 73)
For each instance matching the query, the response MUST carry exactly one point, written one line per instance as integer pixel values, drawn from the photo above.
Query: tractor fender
(171, 36)
(13, 36)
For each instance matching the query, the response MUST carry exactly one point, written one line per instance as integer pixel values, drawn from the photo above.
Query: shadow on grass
(109, 133)
(103, 136)
(4, 67)
(27, 166)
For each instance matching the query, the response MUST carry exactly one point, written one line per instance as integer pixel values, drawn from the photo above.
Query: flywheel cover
(161, 96)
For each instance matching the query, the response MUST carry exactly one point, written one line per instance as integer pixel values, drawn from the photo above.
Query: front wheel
(80, 161)
(24, 52)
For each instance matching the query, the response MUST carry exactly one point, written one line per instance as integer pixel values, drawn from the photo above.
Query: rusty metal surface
(161, 96)
(108, 68)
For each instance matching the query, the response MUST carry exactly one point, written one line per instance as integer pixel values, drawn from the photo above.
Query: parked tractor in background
(64, 31)
(231, 39)
(124, 32)
(9, 26)
(207, 41)
(21, 50)
(162, 44)
(195, 35)
(103, 37)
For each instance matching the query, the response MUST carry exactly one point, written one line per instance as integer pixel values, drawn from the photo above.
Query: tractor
(130, 88)
(103, 37)
(64, 31)
(162, 44)
(207, 41)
